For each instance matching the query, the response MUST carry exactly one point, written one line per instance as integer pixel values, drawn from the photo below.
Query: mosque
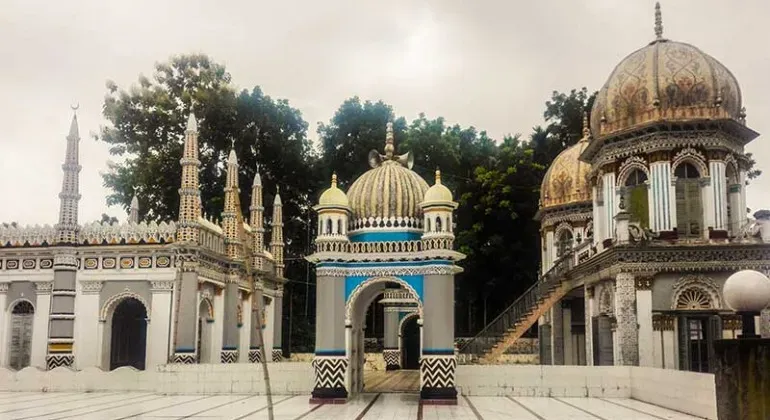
(139, 293)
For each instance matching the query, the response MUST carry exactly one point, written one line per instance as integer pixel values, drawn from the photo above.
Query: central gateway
(391, 230)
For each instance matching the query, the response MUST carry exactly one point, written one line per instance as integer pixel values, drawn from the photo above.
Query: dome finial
(438, 175)
(334, 179)
(658, 21)
(389, 147)
(586, 127)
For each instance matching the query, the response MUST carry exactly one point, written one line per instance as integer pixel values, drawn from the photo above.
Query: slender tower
(276, 243)
(232, 223)
(257, 223)
(232, 210)
(133, 211)
(187, 235)
(61, 339)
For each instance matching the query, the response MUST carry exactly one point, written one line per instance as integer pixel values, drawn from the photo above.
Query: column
(550, 251)
(390, 352)
(186, 308)
(278, 325)
(662, 206)
(610, 204)
(718, 191)
(267, 329)
(557, 334)
(219, 325)
(61, 327)
(89, 346)
(159, 328)
(256, 326)
(438, 363)
(244, 329)
(40, 324)
(737, 212)
(707, 197)
(330, 362)
(566, 312)
(229, 321)
(598, 217)
(644, 319)
(625, 315)
(589, 316)
(4, 323)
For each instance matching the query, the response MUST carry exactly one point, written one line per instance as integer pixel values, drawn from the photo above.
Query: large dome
(389, 194)
(566, 181)
(665, 81)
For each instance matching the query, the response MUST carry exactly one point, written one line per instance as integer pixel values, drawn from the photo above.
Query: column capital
(4, 287)
(643, 283)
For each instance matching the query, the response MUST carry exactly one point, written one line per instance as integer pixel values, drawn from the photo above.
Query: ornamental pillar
(644, 319)
(625, 315)
(589, 316)
(662, 207)
(244, 329)
(438, 363)
(609, 197)
(229, 320)
(257, 320)
(277, 354)
(718, 192)
(737, 212)
(332, 339)
(4, 340)
(40, 324)
(61, 327)
(186, 316)
(218, 326)
(87, 317)
(159, 327)
(390, 352)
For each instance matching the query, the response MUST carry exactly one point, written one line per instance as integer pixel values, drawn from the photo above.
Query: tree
(108, 219)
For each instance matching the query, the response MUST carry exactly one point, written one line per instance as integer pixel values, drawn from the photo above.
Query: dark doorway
(411, 344)
(129, 335)
(22, 315)
(602, 341)
(697, 333)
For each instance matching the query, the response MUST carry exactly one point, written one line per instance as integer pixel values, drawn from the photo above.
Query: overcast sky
(490, 64)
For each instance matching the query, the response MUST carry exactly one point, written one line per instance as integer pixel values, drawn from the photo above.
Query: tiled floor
(50, 406)
(394, 381)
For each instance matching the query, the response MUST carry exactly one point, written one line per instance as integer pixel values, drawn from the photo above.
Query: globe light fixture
(747, 292)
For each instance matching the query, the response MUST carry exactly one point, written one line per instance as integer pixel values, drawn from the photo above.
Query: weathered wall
(743, 379)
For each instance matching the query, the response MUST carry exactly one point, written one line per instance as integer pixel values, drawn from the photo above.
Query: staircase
(500, 334)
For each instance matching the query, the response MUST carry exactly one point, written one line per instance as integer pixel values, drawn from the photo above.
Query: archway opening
(410, 344)
(129, 335)
(205, 331)
(20, 345)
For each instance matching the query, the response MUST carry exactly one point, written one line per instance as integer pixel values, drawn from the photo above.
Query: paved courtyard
(50, 406)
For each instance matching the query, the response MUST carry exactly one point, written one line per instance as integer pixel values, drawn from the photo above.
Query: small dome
(566, 181)
(333, 196)
(438, 193)
(665, 81)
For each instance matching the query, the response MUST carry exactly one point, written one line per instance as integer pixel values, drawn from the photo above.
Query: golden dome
(665, 81)
(438, 193)
(390, 191)
(333, 196)
(566, 181)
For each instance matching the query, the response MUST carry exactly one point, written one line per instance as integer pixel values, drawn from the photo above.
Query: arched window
(564, 243)
(339, 226)
(427, 225)
(328, 226)
(689, 206)
(438, 224)
(635, 197)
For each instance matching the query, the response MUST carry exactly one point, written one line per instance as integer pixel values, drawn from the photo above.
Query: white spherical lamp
(747, 292)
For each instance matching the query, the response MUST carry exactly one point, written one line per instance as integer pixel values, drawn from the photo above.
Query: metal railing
(524, 305)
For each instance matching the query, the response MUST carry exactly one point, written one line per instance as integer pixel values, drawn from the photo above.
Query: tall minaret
(67, 228)
(133, 211)
(232, 209)
(276, 243)
(257, 222)
(189, 192)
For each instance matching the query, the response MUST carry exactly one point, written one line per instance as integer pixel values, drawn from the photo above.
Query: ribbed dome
(387, 191)
(566, 180)
(665, 81)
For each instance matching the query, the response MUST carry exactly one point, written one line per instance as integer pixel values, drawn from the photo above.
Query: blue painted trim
(415, 281)
(330, 352)
(438, 352)
(384, 236)
(385, 264)
(229, 348)
(184, 350)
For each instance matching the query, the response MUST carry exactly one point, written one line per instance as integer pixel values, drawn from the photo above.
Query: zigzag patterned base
(438, 377)
(228, 356)
(330, 377)
(255, 356)
(277, 355)
(56, 360)
(392, 359)
(185, 358)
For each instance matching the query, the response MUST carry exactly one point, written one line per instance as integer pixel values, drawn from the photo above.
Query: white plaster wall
(267, 332)
(5, 326)
(158, 331)
(689, 392)
(87, 346)
(40, 330)
(644, 320)
(218, 327)
(244, 338)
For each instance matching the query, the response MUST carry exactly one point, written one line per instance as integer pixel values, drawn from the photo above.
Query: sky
(489, 64)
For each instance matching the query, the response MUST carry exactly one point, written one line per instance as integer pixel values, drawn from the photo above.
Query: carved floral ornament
(695, 292)
(349, 305)
(606, 304)
(693, 156)
(628, 166)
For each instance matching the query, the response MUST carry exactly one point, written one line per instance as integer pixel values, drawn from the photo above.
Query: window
(689, 206)
(339, 226)
(438, 224)
(564, 244)
(428, 225)
(328, 226)
(635, 197)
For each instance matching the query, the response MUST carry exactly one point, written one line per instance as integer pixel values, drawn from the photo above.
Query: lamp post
(747, 292)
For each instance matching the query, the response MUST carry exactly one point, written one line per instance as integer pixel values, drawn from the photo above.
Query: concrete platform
(123, 405)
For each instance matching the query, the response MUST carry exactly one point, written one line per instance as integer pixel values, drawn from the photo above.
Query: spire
(67, 228)
(189, 193)
(277, 200)
(390, 148)
(276, 242)
(133, 211)
(658, 21)
(438, 175)
(257, 222)
(586, 127)
(334, 179)
(257, 178)
(232, 209)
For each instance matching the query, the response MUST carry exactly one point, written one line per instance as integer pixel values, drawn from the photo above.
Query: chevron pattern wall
(438, 371)
(255, 356)
(392, 357)
(185, 358)
(228, 356)
(330, 371)
(56, 360)
(277, 355)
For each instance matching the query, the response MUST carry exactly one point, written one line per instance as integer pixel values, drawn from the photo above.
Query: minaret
(276, 244)
(257, 222)
(67, 228)
(232, 209)
(133, 211)
(189, 192)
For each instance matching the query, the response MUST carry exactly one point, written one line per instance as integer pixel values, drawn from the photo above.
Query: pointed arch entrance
(205, 330)
(409, 341)
(128, 338)
(20, 346)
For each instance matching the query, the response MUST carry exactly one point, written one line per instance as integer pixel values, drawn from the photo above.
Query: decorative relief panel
(12, 264)
(28, 264)
(145, 262)
(695, 292)
(127, 262)
(163, 261)
(109, 263)
(46, 263)
(91, 263)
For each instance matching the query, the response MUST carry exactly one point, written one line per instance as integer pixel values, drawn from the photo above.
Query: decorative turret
(333, 211)
(276, 243)
(133, 211)
(437, 207)
(189, 193)
(257, 222)
(67, 228)
(232, 209)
